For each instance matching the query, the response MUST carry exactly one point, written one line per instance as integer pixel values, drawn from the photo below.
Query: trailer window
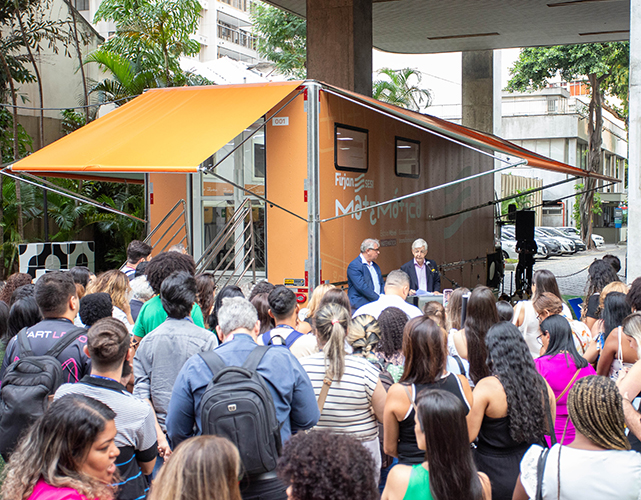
(350, 148)
(407, 155)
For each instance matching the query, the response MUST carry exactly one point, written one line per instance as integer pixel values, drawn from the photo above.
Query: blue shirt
(373, 273)
(291, 389)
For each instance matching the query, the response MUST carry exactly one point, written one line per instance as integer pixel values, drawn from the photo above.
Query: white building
(225, 29)
(553, 123)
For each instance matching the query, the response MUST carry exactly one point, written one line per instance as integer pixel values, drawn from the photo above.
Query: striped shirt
(135, 423)
(348, 407)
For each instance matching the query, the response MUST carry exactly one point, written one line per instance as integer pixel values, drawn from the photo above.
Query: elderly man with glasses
(364, 276)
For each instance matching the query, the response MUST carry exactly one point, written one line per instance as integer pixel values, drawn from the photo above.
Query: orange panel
(163, 130)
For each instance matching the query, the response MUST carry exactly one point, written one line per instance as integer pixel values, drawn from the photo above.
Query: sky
(441, 72)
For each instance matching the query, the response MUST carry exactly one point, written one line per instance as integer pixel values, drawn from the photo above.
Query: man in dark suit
(423, 272)
(364, 276)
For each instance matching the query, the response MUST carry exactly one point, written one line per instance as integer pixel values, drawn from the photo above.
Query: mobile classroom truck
(324, 169)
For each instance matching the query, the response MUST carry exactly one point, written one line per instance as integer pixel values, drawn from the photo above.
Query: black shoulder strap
(25, 346)
(67, 339)
(548, 410)
(213, 361)
(540, 470)
(255, 357)
(461, 366)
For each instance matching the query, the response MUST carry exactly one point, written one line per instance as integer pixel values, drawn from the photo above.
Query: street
(565, 267)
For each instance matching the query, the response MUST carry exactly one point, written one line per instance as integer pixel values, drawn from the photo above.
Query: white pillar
(634, 189)
(497, 116)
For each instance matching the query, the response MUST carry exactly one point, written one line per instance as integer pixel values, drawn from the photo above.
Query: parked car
(597, 239)
(572, 233)
(567, 245)
(551, 246)
(578, 242)
(508, 245)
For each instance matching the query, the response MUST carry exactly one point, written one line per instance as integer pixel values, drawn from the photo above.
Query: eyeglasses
(539, 339)
(377, 250)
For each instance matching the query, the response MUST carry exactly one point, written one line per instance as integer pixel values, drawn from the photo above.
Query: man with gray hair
(288, 383)
(423, 272)
(364, 277)
(397, 288)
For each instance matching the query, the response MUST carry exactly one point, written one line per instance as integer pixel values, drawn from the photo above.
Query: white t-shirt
(585, 474)
(348, 407)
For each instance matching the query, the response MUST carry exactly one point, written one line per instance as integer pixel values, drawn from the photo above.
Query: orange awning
(471, 137)
(163, 130)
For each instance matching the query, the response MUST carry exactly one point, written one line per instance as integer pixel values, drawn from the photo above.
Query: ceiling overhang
(422, 26)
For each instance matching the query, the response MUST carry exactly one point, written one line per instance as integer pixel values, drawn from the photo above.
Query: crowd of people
(149, 382)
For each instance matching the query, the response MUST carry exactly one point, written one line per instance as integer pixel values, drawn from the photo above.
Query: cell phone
(446, 296)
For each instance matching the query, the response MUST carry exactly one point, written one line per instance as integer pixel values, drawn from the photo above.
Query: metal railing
(240, 233)
(165, 220)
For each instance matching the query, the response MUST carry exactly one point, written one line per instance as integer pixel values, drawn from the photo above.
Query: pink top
(558, 370)
(44, 491)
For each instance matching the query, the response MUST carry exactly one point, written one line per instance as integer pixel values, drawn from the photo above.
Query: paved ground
(564, 268)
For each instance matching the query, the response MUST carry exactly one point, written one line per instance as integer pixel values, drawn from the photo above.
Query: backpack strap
(25, 346)
(255, 357)
(213, 361)
(292, 337)
(68, 338)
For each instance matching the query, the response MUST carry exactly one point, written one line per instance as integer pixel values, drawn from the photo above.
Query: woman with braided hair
(598, 463)
(513, 408)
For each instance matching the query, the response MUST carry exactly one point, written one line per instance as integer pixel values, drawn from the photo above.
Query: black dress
(499, 456)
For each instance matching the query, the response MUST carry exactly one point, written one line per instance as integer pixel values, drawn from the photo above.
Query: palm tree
(397, 89)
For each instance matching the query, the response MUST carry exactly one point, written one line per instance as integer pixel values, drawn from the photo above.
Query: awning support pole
(428, 190)
(73, 196)
(313, 182)
(507, 198)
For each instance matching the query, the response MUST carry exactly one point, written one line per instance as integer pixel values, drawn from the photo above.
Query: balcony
(236, 36)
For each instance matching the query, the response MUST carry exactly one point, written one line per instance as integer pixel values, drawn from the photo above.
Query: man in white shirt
(397, 288)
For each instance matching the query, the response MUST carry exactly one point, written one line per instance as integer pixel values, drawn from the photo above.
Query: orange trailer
(325, 168)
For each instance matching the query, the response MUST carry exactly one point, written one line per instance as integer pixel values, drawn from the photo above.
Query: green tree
(522, 202)
(282, 39)
(597, 209)
(606, 67)
(402, 88)
(153, 34)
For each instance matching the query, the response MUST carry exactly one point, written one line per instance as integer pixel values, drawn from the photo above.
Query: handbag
(327, 383)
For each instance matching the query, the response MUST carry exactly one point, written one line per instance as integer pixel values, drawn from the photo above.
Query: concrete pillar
(634, 136)
(339, 43)
(478, 90)
(497, 112)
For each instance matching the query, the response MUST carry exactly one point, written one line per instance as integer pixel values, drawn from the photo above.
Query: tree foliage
(402, 87)
(282, 39)
(606, 67)
(152, 34)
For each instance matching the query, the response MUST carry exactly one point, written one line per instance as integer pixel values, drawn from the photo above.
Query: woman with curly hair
(425, 368)
(15, 281)
(116, 284)
(321, 465)
(561, 366)
(600, 273)
(391, 321)
(354, 398)
(448, 471)
(469, 343)
(69, 453)
(598, 463)
(200, 468)
(513, 408)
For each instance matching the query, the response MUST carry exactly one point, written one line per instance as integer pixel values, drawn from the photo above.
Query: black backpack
(26, 386)
(237, 404)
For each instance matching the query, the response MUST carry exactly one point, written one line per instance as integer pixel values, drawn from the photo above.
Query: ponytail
(331, 323)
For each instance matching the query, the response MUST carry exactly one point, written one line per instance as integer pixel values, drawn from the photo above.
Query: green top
(152, 315)
(419, 485)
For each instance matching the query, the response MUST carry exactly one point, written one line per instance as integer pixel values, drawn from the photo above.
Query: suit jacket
(433, 277)
(361, 287)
